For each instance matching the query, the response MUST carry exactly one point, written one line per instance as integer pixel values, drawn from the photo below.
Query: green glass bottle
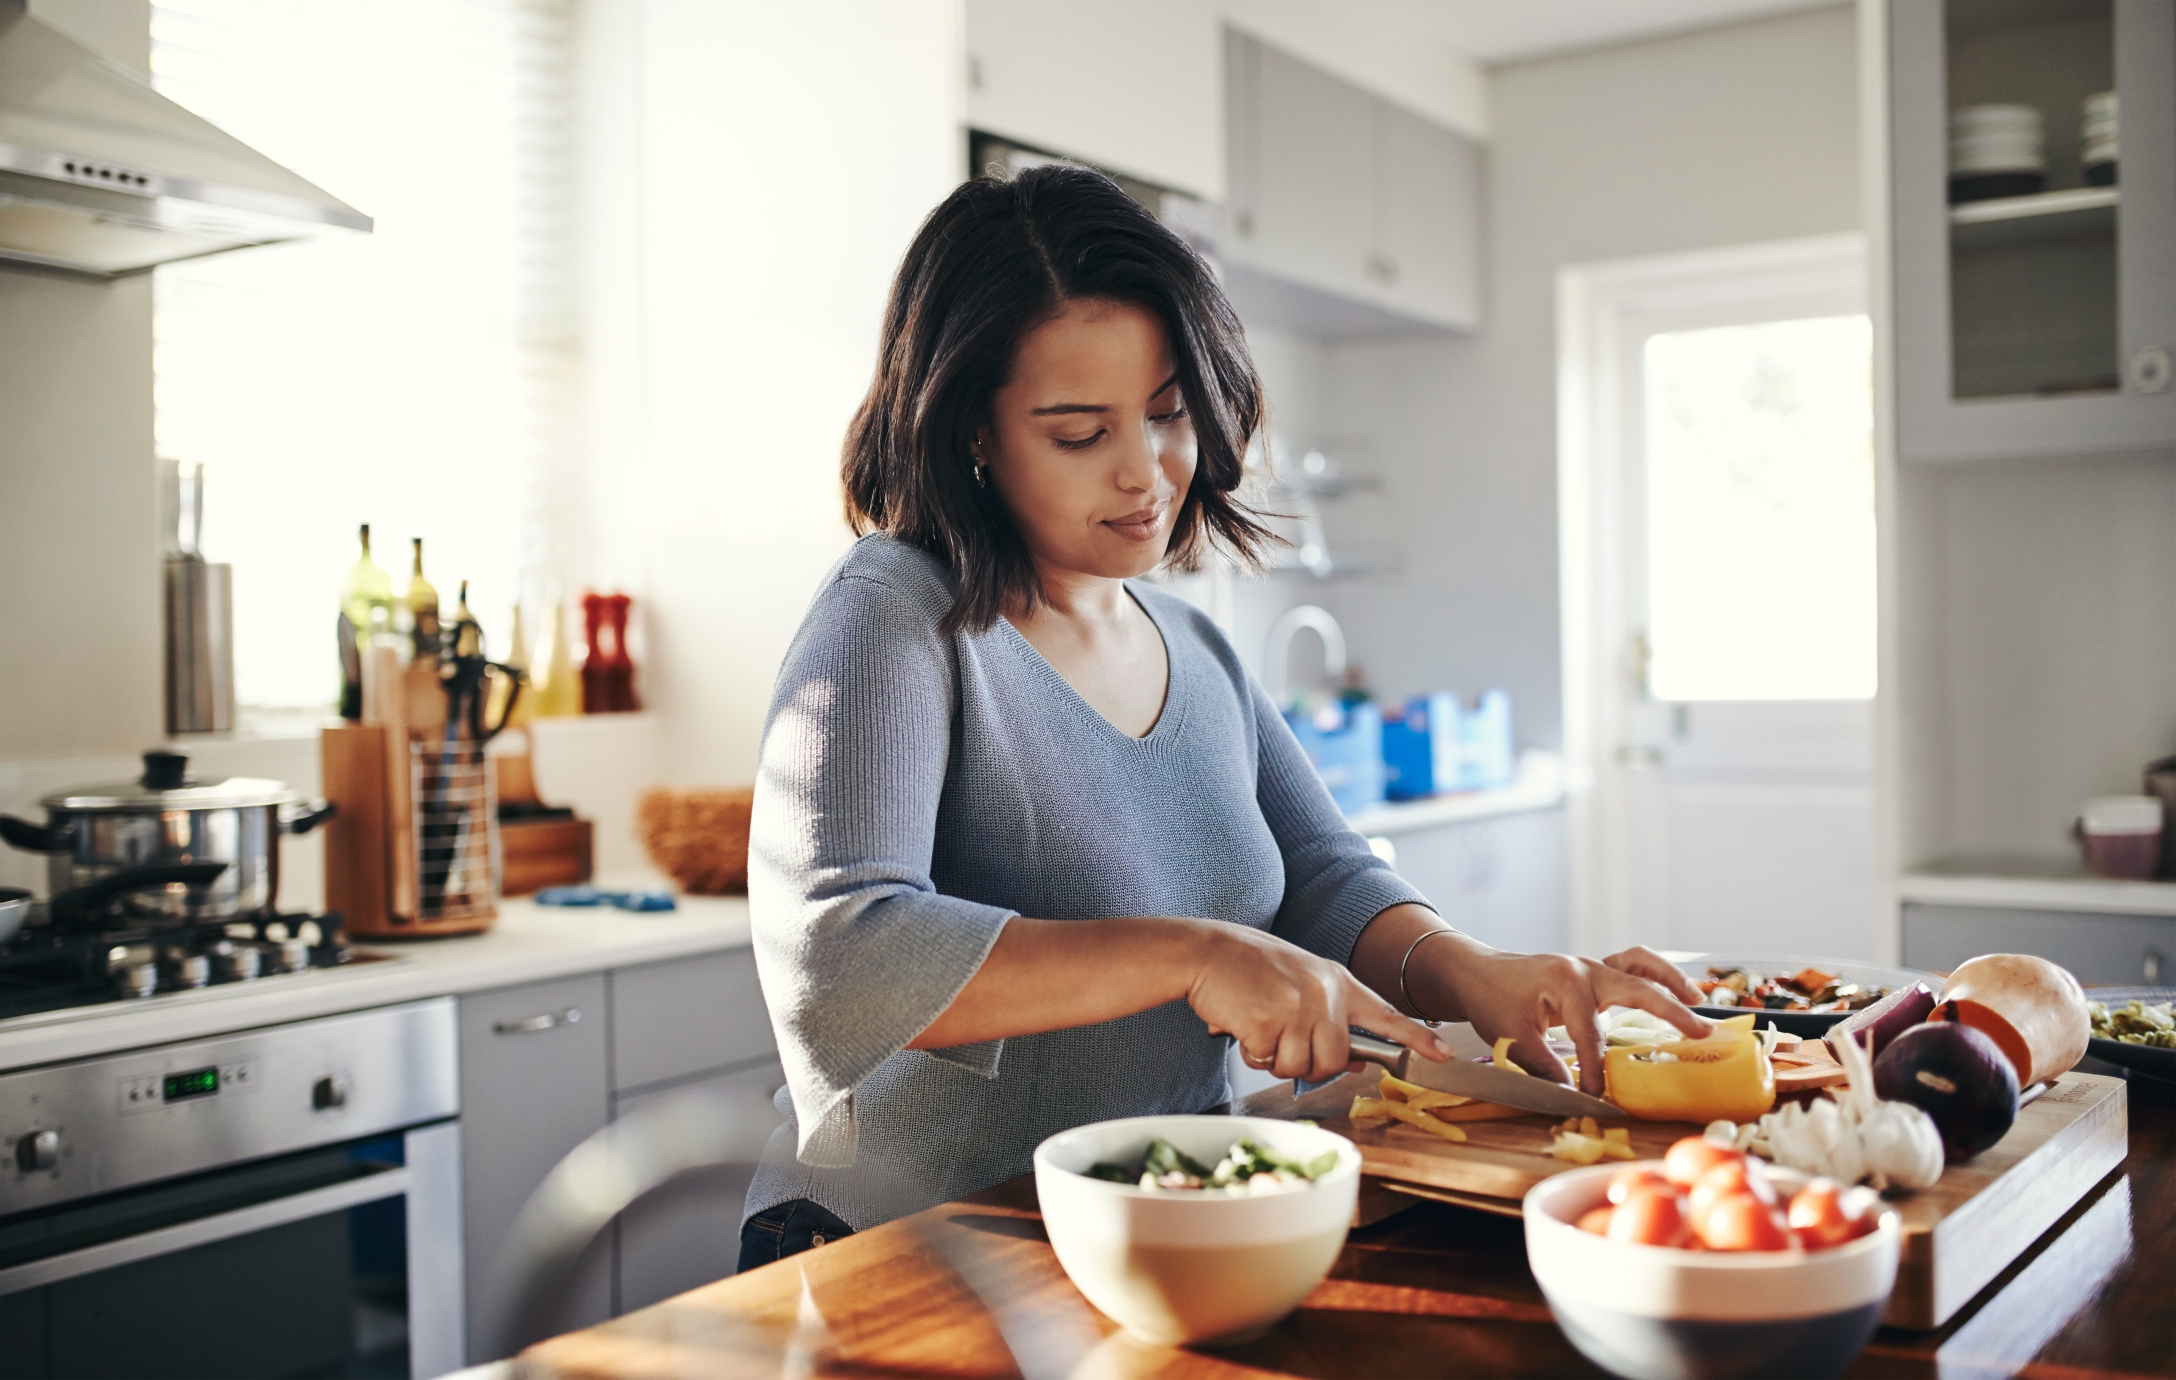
(366, 596)
(423, 607)
(366, 605)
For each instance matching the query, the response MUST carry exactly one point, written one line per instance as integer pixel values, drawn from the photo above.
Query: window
(1760, 511)
(418, 379)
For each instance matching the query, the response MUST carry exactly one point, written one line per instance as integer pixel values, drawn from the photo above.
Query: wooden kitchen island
(1434, 1290)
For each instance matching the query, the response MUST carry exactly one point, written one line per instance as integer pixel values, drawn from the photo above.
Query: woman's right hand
(1288, 1009)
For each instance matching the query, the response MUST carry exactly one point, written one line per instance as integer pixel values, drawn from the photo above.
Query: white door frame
(1605, 311)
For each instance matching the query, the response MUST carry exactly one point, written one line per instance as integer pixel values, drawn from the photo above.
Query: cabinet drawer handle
(529, 1025)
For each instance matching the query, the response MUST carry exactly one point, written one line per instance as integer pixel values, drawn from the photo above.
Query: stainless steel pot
(165, 817)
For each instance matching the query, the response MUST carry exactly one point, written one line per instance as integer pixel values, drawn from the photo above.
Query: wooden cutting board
(1958, 1235)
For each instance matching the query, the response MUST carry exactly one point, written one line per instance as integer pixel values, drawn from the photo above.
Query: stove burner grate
(48, 970)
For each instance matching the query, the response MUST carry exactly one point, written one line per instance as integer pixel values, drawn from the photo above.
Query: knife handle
(1374, 1051)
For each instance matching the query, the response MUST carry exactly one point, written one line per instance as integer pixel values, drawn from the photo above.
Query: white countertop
(1538, 786)
(2055, 884)
(531, 943)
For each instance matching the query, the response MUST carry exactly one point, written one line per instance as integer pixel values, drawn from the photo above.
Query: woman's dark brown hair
(991, 263)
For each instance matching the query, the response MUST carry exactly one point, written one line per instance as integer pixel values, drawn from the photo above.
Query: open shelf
(2074, 213)
(2069, 201)
(2032, 884)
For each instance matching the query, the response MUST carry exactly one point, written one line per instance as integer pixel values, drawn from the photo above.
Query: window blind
(418, 378)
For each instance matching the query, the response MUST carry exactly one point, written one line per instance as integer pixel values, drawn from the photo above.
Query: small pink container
(2121, 835)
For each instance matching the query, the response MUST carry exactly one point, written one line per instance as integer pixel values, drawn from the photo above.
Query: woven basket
(698, 838)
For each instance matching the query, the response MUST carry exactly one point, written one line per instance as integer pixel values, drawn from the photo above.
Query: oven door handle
(369, 1188)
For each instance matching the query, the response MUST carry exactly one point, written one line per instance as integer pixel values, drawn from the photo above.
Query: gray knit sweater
(915, 792)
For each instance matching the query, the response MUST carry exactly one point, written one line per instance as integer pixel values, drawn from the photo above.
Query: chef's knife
(1484, 1082)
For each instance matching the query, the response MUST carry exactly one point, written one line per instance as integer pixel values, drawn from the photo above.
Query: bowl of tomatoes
(1710, 1264)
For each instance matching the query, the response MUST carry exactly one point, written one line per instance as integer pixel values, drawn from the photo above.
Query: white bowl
(1657, 1313)
(1187, 1268)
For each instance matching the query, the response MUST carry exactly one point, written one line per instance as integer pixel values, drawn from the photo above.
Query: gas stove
(130, 960)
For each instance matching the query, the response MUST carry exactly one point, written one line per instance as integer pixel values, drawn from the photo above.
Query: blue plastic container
(1485, 755)
(1345, 744)
(1420, 747)
(1432, 745)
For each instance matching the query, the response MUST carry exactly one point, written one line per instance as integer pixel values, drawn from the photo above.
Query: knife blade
(1484, 1082)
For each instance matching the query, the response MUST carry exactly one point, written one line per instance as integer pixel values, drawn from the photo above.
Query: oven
(278, 1202)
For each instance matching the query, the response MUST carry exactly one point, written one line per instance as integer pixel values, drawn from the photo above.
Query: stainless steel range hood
(101, 175)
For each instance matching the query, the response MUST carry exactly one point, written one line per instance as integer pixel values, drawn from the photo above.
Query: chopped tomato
(1650, 1216)
(1818, 1216)
(1691, 1157)
(1742, 1222)
(1597, 1220)
(1812, 980)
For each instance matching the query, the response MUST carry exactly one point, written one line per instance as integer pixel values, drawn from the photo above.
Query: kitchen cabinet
(683, 1027)
(1427, 217)
(545, 1065)
(2101, 949)
(674, 1020)
(687, 1233)
(1500, 880)
(2038, 325)
(1336, 192)
(534, 1084)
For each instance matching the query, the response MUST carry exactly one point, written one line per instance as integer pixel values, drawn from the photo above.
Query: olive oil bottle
(422, 604)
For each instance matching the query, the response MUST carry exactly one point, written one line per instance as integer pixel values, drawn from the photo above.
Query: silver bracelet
(1403, 963)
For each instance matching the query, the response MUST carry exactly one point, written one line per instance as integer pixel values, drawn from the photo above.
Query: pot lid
(167, 784)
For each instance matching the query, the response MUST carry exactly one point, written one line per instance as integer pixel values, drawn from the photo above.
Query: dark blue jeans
(788, 1228)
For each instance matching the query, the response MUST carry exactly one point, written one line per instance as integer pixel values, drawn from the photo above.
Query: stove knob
(294, 955)
(140, 979)
(239, 964)
(193, 970)
(330, 1091)
(37, 1150)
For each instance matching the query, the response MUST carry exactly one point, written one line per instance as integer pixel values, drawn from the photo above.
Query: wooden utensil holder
(413, 850)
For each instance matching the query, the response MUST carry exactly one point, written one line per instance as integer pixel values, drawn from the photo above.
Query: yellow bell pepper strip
(1502, 1059)
(1477, 1111)
(1725, 1077)
(1445, 1106)
(1581, 1140)
(1366, 1107)
(1396, 1089)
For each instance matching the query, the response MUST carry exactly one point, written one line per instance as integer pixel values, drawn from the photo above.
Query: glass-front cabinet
(2033, 196)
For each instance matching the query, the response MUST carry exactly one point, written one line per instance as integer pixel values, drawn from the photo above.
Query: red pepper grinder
(596, 678)
(621, 666)
(608, 673)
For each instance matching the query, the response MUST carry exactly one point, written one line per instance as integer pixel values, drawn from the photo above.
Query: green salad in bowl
(1248, 1167)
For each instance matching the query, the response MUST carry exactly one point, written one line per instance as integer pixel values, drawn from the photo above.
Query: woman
(1030, 846)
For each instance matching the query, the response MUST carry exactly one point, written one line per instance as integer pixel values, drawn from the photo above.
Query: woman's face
(1089, 444)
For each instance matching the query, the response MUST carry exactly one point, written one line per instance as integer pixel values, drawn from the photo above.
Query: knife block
(413, 849)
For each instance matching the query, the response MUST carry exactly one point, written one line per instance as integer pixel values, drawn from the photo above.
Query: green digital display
(195, 1083)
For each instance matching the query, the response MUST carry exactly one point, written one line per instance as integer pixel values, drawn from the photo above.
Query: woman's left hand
(1523, 995)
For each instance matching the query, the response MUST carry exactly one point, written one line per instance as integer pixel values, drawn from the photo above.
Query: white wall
(1723, 136)
(1137, 85)
(79, 628)
(747, 213)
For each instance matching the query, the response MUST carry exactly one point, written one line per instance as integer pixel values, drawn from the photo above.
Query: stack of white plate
(1995, 150)
(2097, 139)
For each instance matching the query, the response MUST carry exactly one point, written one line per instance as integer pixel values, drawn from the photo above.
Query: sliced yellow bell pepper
(1725, 1077)
(1364, 1108)
(1396, 1089)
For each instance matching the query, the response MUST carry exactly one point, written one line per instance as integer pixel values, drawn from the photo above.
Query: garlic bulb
(1860, 1137)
